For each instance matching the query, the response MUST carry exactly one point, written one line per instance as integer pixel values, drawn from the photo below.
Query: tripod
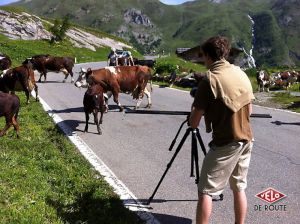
(195, 136)
(194, 160)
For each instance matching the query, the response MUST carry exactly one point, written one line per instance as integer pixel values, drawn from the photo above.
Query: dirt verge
(265, 99)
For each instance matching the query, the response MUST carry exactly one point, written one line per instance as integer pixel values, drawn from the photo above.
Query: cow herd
(282, 79)
(101, 83)
(21, 78)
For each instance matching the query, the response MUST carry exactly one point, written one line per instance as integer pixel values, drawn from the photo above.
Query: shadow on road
(69, 126)
(67, 110)
(285, 123)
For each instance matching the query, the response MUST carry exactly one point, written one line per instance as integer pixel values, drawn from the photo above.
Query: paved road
(135, 147)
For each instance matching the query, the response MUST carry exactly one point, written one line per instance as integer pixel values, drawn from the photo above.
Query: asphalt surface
(135, 148)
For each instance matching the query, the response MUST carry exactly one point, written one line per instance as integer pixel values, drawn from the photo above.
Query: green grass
(44, 179)
(252, 76)
(185, 66)
(288, 101)
(19, 50)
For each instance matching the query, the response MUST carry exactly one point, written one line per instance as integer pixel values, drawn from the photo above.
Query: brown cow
(5, 62)
(285, 79)
(44, 63)
(93, 102)
(19, 79)
(126, 79)
(9, 108)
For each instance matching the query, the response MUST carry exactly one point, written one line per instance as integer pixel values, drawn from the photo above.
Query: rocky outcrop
(135, 16)
(80, 38)
(138, 28)
(22, 26)
(30, 27)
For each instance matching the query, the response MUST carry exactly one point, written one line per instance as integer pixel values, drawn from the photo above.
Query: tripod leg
(194, 145)
(200, 141)
(195, 155)
(174, 140)
(169, 164)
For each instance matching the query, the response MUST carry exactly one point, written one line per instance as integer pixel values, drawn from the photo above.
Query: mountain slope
(151, 25)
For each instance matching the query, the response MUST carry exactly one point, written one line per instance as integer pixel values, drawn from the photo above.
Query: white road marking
(129, 199)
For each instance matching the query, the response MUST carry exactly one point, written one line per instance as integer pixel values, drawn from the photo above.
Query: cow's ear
(89, 70)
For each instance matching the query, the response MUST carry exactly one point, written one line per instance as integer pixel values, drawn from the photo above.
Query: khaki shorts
(223, 163)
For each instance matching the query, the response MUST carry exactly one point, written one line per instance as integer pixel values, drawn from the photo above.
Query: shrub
(164, 67)
(59, 29)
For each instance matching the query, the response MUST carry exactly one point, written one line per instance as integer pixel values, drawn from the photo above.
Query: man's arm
(195, 117)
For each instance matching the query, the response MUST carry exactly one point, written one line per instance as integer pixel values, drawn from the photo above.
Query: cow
(93, 102)
(20, 78)
(191, 80)
(296, 75)
(125, 79)
(9, 108)
(263, 80)
(285, 79)
(149, 63)
(45, 63)
(5, 62)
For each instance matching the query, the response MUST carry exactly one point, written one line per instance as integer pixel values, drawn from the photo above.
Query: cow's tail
(16, 108)
(151, 87)
(29, 81)
(150, 83)
(30, 85)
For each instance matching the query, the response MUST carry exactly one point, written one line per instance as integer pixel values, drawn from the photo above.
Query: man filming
(224, 98)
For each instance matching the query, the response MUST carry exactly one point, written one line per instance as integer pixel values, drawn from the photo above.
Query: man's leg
(204, 208)
(240, 206)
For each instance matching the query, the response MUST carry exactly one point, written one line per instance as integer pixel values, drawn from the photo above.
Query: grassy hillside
(19, 50)
(287, 15)
(270, 44)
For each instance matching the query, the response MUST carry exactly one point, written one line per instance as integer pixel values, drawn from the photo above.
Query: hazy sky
(4, 2)
(169, 2)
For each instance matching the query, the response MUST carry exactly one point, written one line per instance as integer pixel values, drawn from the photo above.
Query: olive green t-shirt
(227, 126)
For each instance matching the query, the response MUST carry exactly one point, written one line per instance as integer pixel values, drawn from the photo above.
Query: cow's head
(82, 78)
(30, 62)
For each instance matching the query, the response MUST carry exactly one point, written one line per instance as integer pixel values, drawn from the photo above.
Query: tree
(59, 29)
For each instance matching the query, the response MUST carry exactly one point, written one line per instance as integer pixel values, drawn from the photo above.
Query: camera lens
(193, 91)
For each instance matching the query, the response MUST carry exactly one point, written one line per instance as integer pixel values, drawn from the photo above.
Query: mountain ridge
(151, 25)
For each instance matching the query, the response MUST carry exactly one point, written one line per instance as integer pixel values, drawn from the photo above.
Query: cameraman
(224, 98)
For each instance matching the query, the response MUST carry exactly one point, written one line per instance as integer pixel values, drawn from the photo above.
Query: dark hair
(216, 48)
